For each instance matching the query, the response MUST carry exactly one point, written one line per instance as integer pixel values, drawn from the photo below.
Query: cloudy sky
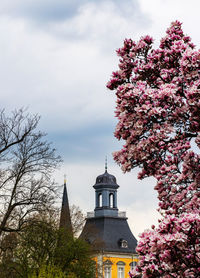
(56, 57)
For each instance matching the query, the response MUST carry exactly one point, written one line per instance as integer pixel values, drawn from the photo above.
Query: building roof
(110, 234)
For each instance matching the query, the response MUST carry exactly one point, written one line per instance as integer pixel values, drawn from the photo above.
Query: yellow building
(108, 231)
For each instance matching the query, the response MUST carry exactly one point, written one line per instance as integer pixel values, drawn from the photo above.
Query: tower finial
(65, 179)
(106, 164)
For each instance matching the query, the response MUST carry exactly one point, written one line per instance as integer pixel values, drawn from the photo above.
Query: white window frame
(107, 271)
(120, 271)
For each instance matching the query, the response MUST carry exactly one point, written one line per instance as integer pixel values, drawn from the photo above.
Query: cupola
(106, 195)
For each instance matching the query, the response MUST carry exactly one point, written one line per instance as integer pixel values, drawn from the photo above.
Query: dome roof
(106, 180)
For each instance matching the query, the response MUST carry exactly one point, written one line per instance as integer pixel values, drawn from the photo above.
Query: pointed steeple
(65, 218)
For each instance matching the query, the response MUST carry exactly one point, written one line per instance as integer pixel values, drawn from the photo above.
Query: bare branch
(27, 161)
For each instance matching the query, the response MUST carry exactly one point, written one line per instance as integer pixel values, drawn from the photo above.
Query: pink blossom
(158, 108)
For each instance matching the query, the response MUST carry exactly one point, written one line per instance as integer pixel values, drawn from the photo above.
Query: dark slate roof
(106, 233)
(106, 180)
(65, 219)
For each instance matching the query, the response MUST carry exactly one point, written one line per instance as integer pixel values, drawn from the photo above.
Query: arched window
(100, 200)
(120, 269)
(133, 264)
(107, 269)
(111, 200)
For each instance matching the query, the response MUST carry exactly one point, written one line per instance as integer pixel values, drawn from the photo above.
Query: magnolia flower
(158, 108)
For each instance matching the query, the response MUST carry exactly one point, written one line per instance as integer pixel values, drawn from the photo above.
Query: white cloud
(162, 13)
(61, 70)
(41, 11)
(142, 219)
(103, 23)
(61, 80)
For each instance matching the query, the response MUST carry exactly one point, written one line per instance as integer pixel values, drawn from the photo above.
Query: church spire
(65, 219)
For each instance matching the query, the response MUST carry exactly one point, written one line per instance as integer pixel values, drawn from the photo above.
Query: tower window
(100, 200)
(111, 200)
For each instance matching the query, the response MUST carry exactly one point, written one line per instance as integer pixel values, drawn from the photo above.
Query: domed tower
(106, 195)
(108, 232)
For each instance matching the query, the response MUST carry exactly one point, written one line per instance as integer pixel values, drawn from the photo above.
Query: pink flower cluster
(172, 249)
(158, 108)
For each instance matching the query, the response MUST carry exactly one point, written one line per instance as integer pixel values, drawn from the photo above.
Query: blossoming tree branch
(158, 108)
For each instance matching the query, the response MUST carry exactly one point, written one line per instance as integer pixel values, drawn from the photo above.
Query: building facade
(107, 230)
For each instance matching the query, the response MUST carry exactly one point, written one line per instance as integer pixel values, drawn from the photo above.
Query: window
(100, 200)
(123, 243)
(107, 271)
(120, 273)
(111, 200)
(120, 269)
(133, 264)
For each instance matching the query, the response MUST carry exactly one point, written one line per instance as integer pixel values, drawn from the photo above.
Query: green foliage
(74, 256)
(36, 245)
(41, 250)
(49, 271)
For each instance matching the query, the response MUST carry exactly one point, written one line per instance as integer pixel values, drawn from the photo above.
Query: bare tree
(78, 220)
(26, 164)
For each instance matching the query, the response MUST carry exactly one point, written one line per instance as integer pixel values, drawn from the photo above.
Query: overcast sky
(56, 57)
